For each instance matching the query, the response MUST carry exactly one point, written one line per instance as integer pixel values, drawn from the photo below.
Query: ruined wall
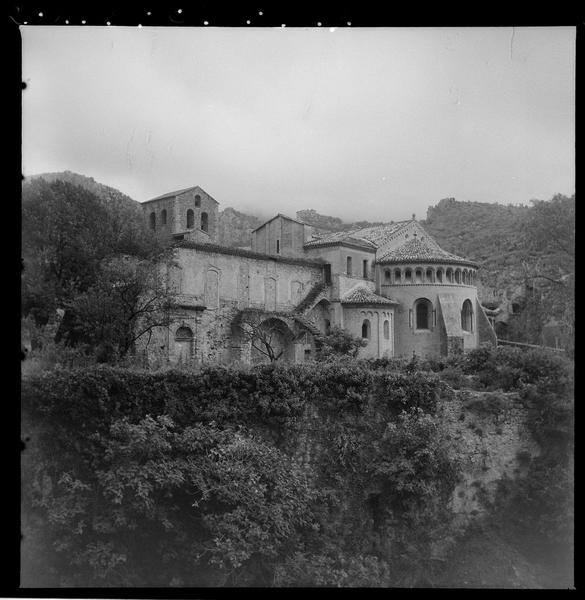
(493, 444)
(225, 284)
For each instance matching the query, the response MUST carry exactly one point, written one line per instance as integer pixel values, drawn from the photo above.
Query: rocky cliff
(235, 227)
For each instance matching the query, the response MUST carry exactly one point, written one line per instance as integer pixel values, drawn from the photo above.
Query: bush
(182, 478)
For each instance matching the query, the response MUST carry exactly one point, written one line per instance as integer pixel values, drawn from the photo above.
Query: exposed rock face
(235, 227)
(312, 217)
(326, 223)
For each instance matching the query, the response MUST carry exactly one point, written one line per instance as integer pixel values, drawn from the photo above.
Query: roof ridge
(177, 192)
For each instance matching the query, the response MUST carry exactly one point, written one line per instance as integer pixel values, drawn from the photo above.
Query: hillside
(236, 227)
(108, 194)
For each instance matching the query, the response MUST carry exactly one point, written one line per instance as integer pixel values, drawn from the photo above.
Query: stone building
(391, 285)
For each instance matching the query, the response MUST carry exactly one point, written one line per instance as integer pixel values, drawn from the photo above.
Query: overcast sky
(361, 123)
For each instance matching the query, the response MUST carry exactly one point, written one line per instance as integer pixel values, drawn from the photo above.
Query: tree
(67, 232)
(157, 504)
(128, 300)
(337, 343)
(269, 337)
(548, 268)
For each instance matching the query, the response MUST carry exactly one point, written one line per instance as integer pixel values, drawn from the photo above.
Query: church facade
(391, 285)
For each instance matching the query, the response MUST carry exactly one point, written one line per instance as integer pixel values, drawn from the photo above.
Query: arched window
(386, 330)
(423, 312)
(153, 220)
(408, 276)
(418, 276)
(387, 276)
(449, 275)
(184, 343)
(190, 219)
(397, 275)
(429, 276)
(348, 265)
(467, 316)
(439, 275)
(458, 276)
(204, 222)
(163, 216)
(366, 329)
(197, 200)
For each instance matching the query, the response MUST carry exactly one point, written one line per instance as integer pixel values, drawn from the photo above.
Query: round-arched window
(153, 220)
(190, 219)
(197, 200)
(386, 330)
(366, 329)
(423, 312)
(467, 316)
(204, 222)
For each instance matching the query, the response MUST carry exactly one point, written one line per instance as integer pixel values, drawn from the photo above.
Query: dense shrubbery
(183, 478)
(177, 478)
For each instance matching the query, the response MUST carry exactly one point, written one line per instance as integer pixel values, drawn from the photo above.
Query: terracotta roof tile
(361, 294)
(340, 237)
(415, 250)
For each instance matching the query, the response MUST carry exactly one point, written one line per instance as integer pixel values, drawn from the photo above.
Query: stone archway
(260, 337)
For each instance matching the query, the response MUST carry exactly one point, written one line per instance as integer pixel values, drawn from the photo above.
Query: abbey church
(391, 285)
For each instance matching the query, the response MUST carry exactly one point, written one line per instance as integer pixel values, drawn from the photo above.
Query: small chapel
(392, 285)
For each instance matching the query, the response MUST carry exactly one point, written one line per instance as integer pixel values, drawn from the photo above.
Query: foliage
(332, 570)
(211, 507)
(182, 478)
(127, 300)
(71, 236)
(338, 342)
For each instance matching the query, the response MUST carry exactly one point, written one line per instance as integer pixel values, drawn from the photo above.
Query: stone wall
(176, 208)
(225, 283)
(432, 342)
(280, 236)
(491, 447)
(378, 345)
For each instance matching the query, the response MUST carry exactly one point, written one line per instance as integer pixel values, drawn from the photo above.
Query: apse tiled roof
(378, 233)
(340, 238)
(361, 294)
(417, 250)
